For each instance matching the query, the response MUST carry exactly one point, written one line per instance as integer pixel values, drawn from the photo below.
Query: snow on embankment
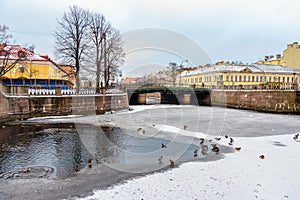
(241, 175)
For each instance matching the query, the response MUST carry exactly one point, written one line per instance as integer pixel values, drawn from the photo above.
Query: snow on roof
(255, 68)
(14, 52)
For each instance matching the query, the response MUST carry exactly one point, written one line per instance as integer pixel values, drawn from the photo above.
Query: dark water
(60, 147)
(56, 146)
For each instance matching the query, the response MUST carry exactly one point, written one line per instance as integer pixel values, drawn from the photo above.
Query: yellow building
(31, 69)
(253, 76)
(291, 56)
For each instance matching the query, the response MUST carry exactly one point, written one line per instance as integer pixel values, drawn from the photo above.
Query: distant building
(253, 76)
(129, 80)
(32, 70)
(291, 56)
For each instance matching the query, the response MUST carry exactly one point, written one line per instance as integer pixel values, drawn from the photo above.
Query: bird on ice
(160, 159)
(163, 145)
(171, 163)
(195, 152)
(90, 163)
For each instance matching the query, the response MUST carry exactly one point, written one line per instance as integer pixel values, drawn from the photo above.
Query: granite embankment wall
(14, 107)
(278, 101)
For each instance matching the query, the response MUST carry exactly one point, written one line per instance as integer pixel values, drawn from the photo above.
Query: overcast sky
(237, 30)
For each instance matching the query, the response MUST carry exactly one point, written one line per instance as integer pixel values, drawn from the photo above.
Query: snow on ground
(240, 175)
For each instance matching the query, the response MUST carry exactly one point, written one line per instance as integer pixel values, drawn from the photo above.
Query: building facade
(291, 56)
(31, 70)
(253, 76)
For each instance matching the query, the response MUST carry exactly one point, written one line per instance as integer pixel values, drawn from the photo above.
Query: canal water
(60, 147)
(134, 144)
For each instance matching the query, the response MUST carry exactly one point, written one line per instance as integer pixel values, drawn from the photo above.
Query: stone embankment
(20, 107)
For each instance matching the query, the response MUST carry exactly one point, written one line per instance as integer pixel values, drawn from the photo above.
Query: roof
(15, 50)
(254, 68)
(14, 54)
(129, 80)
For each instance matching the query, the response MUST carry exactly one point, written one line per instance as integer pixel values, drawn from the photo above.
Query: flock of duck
(204, 145)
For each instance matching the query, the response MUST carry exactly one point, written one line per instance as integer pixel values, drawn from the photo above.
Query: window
(253, 79)
(256, 78)
(227, 77)
(236, 78)
(231, 78)
(283, 79)
(249, 78)
(241, 79)
(245, 78)
(270, 78)
(288, 79)
(278, 79)
(261, 78)
(21, 54)
(3, 53)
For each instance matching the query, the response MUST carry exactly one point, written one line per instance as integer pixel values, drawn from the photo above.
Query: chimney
(278, 56)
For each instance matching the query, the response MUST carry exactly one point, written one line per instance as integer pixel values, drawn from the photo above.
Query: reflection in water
(67, 148)
(24, 146)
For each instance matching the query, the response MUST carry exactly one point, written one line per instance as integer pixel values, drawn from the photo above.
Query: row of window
(244, 78)
(21, 54)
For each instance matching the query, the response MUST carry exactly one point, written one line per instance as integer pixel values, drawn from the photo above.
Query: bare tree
(107, 50)
(99, 29)
(173, 67)
(6, 65)
(114, 54)
(4, 36)
(72, 39)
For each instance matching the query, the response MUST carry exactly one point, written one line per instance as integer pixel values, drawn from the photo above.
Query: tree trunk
(97, 72)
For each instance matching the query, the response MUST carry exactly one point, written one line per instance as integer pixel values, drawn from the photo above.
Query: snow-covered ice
(240, 175)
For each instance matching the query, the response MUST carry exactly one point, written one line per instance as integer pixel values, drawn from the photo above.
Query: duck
(27, 170)
(160, 159)
(172, 163)
(296, 136)
(195, 152)
(226, 136)
(238, 148)
(231, 140)
(262, 156)
(201, 141)
(90, 163)
(204, 149)
(163, 145)
(218, 139)
(216, 149)
(185, 127)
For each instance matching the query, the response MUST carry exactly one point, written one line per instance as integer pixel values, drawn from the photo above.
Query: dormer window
(21, 54)
(3, 53)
